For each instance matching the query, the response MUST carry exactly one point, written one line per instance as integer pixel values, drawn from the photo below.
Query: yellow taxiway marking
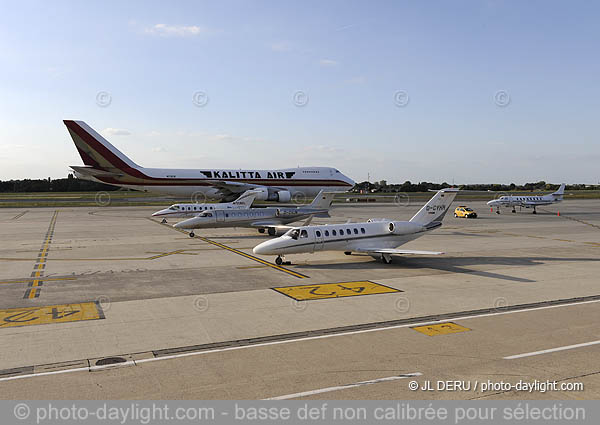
(3, 282)
(237, 251)
(50, 314)
(334, 290)
(441, 329)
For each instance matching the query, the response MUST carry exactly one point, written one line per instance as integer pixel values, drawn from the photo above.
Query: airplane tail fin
(247, 198)
(323, 200)
(433, 212)
(559, 193)
(95, 151)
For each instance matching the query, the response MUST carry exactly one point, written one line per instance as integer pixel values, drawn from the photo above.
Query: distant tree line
(407, 186)
(69, 184)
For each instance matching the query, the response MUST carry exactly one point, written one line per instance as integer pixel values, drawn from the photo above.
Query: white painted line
(552, 350)
(310, 338)
(344, 387)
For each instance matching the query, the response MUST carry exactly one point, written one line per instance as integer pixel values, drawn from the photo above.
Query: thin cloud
(164, 30)
(281, 46)
(116, 132)
(328, 62)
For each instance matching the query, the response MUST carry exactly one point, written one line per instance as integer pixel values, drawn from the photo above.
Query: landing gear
(498, 210)
(279, 260)
(192, 234)
(348, 252)
(164, 221)
(514, 211)
(386, 258)
(261, 230)
(271, 231)
(534, 211)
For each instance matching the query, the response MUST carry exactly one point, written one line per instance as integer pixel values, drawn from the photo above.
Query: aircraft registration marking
(50, 314)
(441, 329)
(334, 290)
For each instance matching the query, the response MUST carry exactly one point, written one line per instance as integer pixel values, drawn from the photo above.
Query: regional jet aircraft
(106, 164)
(527, 201)
(190, 210)
(271, 218)
(378, 238)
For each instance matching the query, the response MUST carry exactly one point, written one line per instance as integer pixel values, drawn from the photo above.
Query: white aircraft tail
(323, 200)
(246, 198)
(433, 212)
(559, 193)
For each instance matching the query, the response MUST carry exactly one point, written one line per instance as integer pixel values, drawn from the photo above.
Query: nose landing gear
(164, 221)
(192, 234)
(279, 260)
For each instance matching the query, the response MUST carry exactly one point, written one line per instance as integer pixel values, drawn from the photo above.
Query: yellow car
(465, 212)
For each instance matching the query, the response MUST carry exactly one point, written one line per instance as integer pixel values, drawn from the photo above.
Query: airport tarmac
(108, 303)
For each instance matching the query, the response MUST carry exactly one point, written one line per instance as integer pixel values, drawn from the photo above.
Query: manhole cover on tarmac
(110, 360)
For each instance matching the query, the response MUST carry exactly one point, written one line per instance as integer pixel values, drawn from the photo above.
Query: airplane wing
(396, 251)
(236, 187)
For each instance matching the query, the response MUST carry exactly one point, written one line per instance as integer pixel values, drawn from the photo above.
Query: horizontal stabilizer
(397, 251)
(94, 172)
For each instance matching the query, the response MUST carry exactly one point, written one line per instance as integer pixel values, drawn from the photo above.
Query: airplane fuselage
(342, 237)
(250, 217)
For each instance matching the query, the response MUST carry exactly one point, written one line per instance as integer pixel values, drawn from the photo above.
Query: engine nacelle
(263, 194)
(283, 196)
(266, 194)
(403, 227)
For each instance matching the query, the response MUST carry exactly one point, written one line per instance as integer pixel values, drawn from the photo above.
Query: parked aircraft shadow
(451, 264)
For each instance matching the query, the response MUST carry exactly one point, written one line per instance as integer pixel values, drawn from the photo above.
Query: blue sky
(491, 91)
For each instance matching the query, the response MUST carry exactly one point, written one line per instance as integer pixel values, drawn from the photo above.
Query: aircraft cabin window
(194, 208)
(362, 230)
(326, 232)
(226, 215)
(348, 232)
(356, 231)
(334, 233)
(304, 234)
(318, 233)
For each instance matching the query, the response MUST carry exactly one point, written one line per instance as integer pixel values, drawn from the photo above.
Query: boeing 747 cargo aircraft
(106, 164)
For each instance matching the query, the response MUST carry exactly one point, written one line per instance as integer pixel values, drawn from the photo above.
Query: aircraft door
(220, 215)
(318, 240)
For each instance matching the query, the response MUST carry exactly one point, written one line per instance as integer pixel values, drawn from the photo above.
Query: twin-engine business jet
(527, 201)
(189, 210)
(106, 164)
(378, 238)
(270, 218)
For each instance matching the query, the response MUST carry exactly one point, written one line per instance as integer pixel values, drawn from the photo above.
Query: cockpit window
(303, 234)
(294, 233)
(206, 214)
(173, 207)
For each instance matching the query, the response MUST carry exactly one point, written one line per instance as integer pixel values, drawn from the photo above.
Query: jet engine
(266, 194)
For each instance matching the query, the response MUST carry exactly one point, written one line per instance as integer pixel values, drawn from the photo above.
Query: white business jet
(192, 210)
(527, 201)
(378, 238)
